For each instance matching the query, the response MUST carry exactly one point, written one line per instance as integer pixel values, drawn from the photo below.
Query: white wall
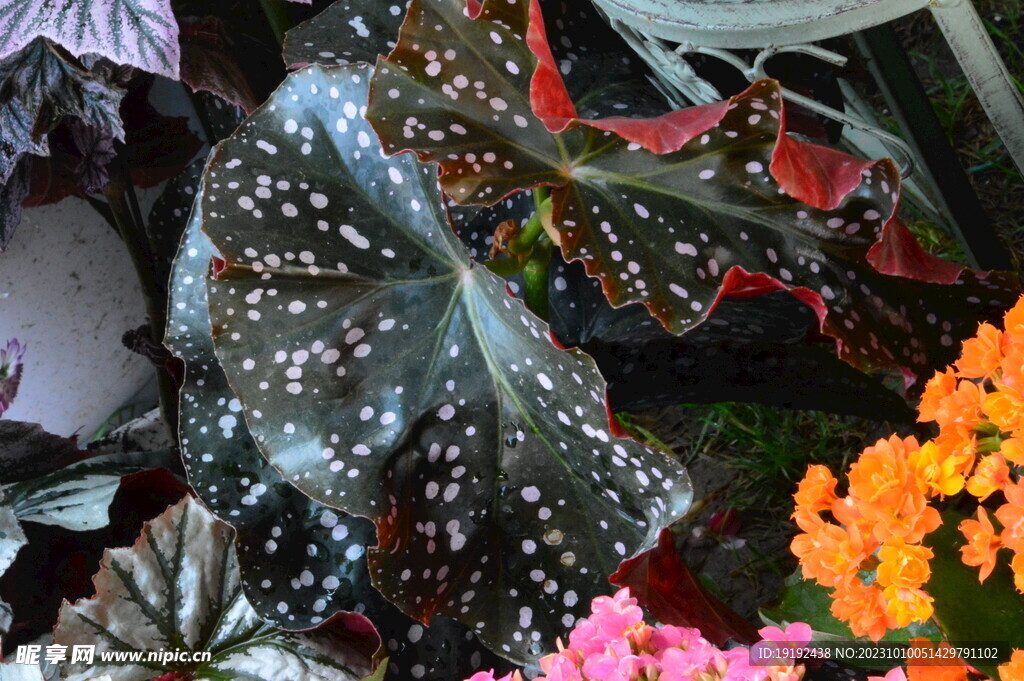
(68, 291)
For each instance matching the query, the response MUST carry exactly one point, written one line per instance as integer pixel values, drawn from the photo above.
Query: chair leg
(999, 96)
(937, 162)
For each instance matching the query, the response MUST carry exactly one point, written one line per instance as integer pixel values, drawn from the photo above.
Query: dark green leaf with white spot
(301, 562)
(757, 349)
(178, 588)
(383, 373)
(661, 230)
(347, 32)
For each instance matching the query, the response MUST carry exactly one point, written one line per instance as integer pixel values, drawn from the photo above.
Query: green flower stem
(138, 246)
(540, 195)
(990, 444)
(536, 275)
(522, 243)
(277, 17)
(505, 267)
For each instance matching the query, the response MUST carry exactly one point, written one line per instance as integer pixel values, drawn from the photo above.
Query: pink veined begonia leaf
(139, 33)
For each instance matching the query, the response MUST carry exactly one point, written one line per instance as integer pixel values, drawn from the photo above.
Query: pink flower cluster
(614, 644)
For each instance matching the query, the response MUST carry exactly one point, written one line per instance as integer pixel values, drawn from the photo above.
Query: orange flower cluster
(870, 551)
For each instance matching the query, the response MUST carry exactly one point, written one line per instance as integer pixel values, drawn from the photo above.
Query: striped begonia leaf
(385, 374)
(39, 87)
(139, 33)
(77, 497)
(300, 562)
(347, 32)
(29, 451)
(12, 192)
(177, 589)
(665, 230)
(12, 537)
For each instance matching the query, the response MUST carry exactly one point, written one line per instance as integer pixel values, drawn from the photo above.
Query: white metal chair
(662, 31)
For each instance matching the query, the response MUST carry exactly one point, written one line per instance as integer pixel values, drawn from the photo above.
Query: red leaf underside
(663, 584)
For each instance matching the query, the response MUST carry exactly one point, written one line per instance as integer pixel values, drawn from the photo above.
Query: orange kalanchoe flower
(1013, 321)
(937, 471)
(982, 543)
(1011, 369)
(1005, 409)
(910, 520)
(863, 607)
(903, 565)
(962, 409)
(926, 670)
(906, 606)
(982, 354)
(880, 476)
(1011, 516)
(885, 492)
(1017, 565)
(938, 388)
(959, 443)
(880, 524)
(1012, 450)
(817, 490)
(991, 475)
(1014, 669)
(831, 554)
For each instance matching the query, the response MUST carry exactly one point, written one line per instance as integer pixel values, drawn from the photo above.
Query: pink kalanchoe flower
(670, 636)
(613, 615)
(740, 668)
(895, 674)
(796, 633)
(489, 676)
(614, 644)
(559, 667)
(699, 657)
(10, 372)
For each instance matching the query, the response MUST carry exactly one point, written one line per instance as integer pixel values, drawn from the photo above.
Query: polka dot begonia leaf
(347, 32)
(662, 229)
(751, 349)
(177, 589)
(300, 562)
(385, 374)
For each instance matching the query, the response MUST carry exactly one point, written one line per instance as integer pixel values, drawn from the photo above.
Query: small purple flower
(10, 372)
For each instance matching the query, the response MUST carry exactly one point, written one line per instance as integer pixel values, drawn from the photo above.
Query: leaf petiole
(536, 277)
(522, 243)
